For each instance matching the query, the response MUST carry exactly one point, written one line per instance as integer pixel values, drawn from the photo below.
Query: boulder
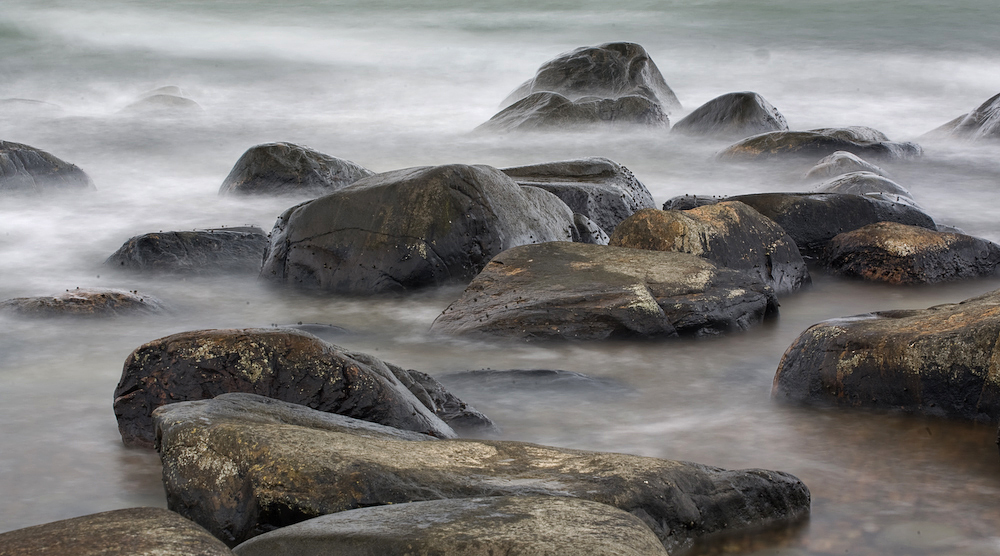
(84, 302)
(842, 162)
(981, 123)
(212, 251)
(600, 189)
(240, 475)
(485, 526)
(611, 70)
(284, 364)
(460, 416)
(25, 169)
(551, 111)
(588, 292)
(900, 254)
(288, 169)
(409, 229)
(868, 184)
(128, 532)
(688, 202)
(940, 361)
(730, 234)
(862, 141)
(733, 115)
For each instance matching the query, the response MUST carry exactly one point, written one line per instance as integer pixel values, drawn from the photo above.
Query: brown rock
(84, 302)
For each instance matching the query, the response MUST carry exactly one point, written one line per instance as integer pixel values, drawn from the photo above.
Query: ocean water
(393, 84)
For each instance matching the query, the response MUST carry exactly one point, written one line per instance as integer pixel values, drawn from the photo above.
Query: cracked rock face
(25, 169)
(288, 169)
(240, 474)
(861, 141)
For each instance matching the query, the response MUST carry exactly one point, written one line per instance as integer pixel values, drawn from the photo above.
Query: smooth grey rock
(546, 111)
(842, 162)
(733, 115)
(289, 169)
(214, 251)
(84, 302)
(25, 169)
(861, 141)
(982, 123)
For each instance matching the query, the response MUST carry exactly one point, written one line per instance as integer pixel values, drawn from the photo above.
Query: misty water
(392, 85)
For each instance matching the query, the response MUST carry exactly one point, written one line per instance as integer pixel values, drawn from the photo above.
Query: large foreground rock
(241, 474)
(901, 254)
(523, 525)
(586, 292)
(600, 189)
(861, 141)
(25, 169)
(215, 251)
(730, 234)
(84, 302)
(981, 123)
(939, 361)
(411, 228)
(552, 111)
(733, 115)
(289, 169)
(279, 363)
(128, 532)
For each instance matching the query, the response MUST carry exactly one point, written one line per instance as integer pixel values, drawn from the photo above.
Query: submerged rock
(901, 254)
(868, 184)
(842, 162)
(981, 123)
(213, 251)
(239, 474)
(587, 292)
(84, 302)
(485, 526)
(729, 233)
(938, 361)
(289, 169)
(548, 111)
(600, 189)
(25, 169)
(164, 101)
(734, 115)
(409, 229)
(861, 141)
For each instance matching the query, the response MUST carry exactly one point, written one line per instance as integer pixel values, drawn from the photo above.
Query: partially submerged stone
(289, 169)
(128, 532)
(729, 233)
(901, 254)
(868, 184)
(213, 251)
(940, 361)
(485, 526)
(842, 162)
(551, 111)
(239, 475)
(163, 101)
(460, 416)
(733, 115)
(981, 123)
(25, 169)
(862, 141)
(587, 292)
(84, 302)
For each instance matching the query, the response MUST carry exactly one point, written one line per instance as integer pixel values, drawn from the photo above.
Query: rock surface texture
(586, 292)
(216, 251)
(730, 234)
(941, 361)
(240, 475)
(842, 162)
(901, 254)
(25, 169)
(861, 141)
(84, 302)
(733, 115)
(289, 169)
(410, 228)
(552, 111)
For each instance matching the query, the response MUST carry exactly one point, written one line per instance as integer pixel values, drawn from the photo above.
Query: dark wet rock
(128, 532)
(240, 475)
(84, 302)
(409, 229)
(981, 123)
(729, 233)
(733, 115)
(214, 251)
(588, 292)
(552, 111)
(813, 219)
(868, 184)
(284, 364)
(938, 361)
(901, 254)
(25, 169)
(523, 525)
(861, 141)
(459, 415)
(289, 169)
(842, 162)
(611, 70)
(688, 202)
(600, 189)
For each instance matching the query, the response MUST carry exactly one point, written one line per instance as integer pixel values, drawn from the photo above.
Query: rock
(548, 111)
(84, 302)
(239, 475)
(486, 526)
(164, 101)
(861, 141)
(459, 415)
(868, 184)
(730, 234)
(981, 123)
(687, 202)
(901, 254)
(25, 169)
(128, 532)
(842, 162)
(611, 70)
(548, 384)
(287, 365)
(588, 292)
(213, 251)
(288, 169)
(813, 219)
(600, 189)
(587, 231)
(409, 229)
(941, 361)
(733, 115)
